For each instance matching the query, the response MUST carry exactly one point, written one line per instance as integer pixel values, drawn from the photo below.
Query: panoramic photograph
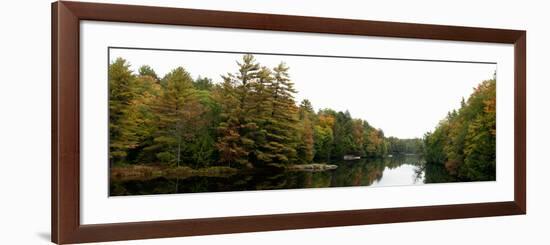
(192, 121)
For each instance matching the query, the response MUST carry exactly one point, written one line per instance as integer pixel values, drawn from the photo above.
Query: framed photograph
(177, 122)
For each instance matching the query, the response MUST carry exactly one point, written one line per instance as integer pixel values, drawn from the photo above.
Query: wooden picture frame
(66, 226)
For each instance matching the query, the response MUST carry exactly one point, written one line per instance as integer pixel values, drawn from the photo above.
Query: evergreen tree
(281, 128)
(237, 125)
(149, 89)
(179, 116)
(260, 106)
(203, 83)
(122, 116)
(148, 71)
(305, 149)
(306, 110)
(229, 142)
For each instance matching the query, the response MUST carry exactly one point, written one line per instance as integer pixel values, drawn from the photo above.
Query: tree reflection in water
(363, 172)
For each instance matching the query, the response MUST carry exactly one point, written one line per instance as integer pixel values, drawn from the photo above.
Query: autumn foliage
(465, 141)
(248, 119)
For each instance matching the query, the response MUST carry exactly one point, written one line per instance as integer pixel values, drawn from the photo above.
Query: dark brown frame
(66, 227)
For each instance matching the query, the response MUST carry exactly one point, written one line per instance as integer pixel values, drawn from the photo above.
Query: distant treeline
(249, 119)
(465, 141)
(407, 146)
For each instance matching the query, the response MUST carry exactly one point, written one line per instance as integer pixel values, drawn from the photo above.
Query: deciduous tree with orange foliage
(465, 141)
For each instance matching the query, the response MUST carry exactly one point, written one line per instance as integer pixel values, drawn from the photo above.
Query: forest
(250, 119)
(465, 141)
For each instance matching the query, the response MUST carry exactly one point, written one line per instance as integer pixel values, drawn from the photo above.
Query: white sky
(404, 98)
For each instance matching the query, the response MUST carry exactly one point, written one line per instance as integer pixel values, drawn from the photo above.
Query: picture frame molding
(65, 116)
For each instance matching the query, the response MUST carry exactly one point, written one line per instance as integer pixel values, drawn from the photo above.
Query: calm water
(391, 171)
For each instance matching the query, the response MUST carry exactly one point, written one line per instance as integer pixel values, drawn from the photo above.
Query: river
(389, 171)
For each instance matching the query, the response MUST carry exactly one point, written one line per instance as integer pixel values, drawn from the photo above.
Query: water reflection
(390, 171)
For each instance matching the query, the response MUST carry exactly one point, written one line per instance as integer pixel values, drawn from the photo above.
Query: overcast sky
(404, 98)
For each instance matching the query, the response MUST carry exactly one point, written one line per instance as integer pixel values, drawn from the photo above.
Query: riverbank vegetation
(249, 119)
(363, 172)
(146, 172)
(465, 141)
(181, 125)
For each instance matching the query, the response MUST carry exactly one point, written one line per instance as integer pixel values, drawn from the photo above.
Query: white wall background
(25, 121)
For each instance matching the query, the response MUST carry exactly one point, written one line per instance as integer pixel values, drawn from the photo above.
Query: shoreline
(145, 172)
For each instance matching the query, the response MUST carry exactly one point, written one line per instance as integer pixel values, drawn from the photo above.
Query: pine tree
(148, 71)
(149, 89)
(306, 141)
(179, 116)
(306, 110)
(237, 124)
(122, 117)
(203, 83)
(281, 125)
(260, 106)
(228, 142)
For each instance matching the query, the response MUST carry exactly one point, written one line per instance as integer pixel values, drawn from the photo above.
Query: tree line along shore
(250, 119)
